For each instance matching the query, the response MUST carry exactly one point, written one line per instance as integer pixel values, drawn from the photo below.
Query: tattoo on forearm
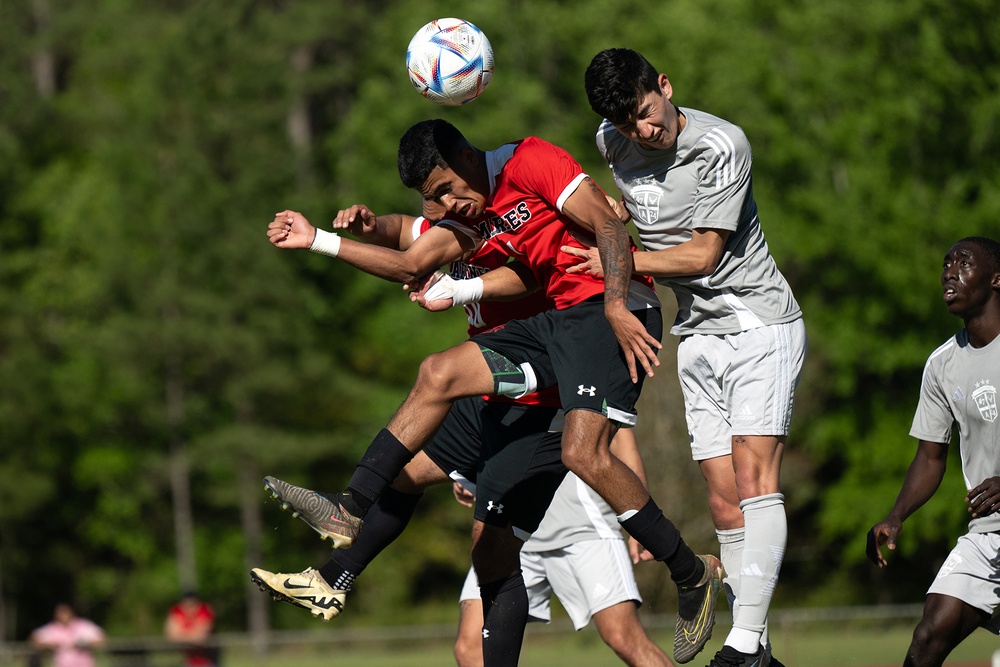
(616, 254)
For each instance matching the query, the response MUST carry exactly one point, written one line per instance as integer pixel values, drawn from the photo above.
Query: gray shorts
(739, 384)
(972, 574)
(587, 577)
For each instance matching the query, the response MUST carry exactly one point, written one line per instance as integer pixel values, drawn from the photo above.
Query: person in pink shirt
(71, 639)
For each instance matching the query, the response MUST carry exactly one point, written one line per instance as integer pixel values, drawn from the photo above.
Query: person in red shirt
(190, 622)
(527, 199)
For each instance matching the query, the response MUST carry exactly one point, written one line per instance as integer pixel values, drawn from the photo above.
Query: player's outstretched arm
(589, 208)
(922, 479)
(435, 247)
(698, 257)
(393, 230)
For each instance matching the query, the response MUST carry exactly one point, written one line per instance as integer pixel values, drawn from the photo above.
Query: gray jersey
(704, 182)
(576, 513)
(958, 388)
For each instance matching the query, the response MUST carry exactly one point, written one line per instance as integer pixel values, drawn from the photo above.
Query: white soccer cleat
(306, 589)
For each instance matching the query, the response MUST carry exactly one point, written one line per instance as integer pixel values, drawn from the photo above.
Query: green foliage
(141, 306)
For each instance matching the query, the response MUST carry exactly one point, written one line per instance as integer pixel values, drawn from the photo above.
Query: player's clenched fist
(290, 230)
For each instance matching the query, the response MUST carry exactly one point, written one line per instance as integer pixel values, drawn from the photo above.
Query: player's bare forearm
(923, 478)
(508, 282)
(699, 256)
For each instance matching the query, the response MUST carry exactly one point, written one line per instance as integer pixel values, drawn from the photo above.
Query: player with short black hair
(524, 198)
(686, 182)
(957, 390)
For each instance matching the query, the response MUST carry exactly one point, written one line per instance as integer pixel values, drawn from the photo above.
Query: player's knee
(439, 374)
(930, 644)
(617, 640)
(583, 458)
(726, 514)
(468, 651)
(495, 555)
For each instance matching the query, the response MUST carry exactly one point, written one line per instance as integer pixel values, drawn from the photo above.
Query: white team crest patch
(954, 560)
(647, 203)
(985, 397)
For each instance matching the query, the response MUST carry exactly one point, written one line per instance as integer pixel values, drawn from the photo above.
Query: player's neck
(983, 327)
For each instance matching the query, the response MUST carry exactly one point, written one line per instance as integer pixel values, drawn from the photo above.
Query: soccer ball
(450, 61)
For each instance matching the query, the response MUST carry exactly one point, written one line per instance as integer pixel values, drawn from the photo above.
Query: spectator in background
(71, 639)
(190, 622)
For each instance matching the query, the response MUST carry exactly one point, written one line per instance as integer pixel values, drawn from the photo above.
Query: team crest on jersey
(647, 203)
(985, 397)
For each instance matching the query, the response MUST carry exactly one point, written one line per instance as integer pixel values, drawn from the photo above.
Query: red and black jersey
(532, 179)
(486, 315)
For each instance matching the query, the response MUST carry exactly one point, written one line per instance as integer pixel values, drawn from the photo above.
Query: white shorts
(739, 384)
(587, 577)
(972, 574)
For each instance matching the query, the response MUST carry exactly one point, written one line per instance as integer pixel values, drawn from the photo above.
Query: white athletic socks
(765, 537)
(731, 555)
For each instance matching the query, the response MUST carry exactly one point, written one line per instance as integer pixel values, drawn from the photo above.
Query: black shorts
(457, 445)
(585, 358)
(508, 452)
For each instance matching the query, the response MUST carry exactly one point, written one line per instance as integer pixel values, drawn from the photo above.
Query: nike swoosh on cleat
(698, 628)
(288, 584)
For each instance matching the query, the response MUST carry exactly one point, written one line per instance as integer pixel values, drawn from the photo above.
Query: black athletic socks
(505, 613)
(380, 465)
(661, 538)
(384, 522)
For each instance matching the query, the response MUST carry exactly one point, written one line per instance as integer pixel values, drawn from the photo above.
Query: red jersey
(190, 620)
(486, 315)
(523, 218)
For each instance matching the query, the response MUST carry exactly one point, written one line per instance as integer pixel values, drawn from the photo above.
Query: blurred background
(158, 356)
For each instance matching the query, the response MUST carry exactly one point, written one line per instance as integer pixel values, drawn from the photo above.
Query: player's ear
(665, 86)
(469, 156)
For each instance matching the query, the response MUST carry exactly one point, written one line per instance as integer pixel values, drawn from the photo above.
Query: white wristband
(461, 292)
(325, 243)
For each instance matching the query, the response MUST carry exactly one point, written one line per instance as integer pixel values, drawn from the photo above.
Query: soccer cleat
(730, 657)
(306, 589)
(326, 517)
(696, 611)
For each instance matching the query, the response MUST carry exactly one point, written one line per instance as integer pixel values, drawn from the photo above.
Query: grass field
(860, 643)
(867, 645)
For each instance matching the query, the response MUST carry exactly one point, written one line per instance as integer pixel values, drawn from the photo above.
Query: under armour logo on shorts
(590, 391)
(490, 506)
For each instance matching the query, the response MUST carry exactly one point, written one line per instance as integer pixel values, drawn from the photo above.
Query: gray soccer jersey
(576, 513)
(960, 387)
(704, 182)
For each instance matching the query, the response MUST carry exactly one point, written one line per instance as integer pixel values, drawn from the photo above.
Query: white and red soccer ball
(450, 61)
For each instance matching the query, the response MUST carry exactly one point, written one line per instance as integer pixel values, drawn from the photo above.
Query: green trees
(157, 356)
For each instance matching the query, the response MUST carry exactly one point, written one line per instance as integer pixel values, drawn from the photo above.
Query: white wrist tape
(461, 292)
(325, 243)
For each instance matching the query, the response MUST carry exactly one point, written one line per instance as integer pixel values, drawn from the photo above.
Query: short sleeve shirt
(66, 636)
(704, 182)
(959, 387)
(532, 179)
